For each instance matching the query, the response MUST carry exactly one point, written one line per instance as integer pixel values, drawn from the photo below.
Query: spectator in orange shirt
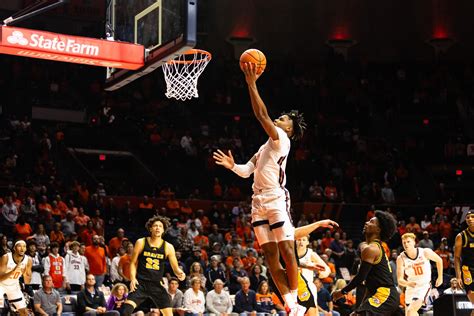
(95, 255)
(146, 204)
(402, 229)
(116, 242)
(57, 235)
(98, 223)
(445, 228)
(217, 189)
(61, 206)
(124, 265)
(44, 210)
(229, 262)
(88, 234)
(205, 222)
(81, 220)
(173, 205)
(326, 241)
(445, 254)
(56, 212)
(413, 226)
(83, 193)
(244, 231)
(330, 191)
(327, 282)
(249, 261)
(22, 228)
(201, 240)
(186, 209)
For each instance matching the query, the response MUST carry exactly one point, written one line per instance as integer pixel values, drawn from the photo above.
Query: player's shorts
(417, 293)
(307, 293)
(467, 274)
(14, 295)
(271, 217)
(382, 302)
(153, 290)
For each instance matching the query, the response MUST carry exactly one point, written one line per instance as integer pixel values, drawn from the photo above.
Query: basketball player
(147, 267)
(464, 257)
(271, 219)
(414, 273)
(381, 297)
(12, 266)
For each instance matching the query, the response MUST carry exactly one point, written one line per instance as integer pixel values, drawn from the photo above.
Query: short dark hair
(387, 223)
(174, 279)
(164, 220)
(54, 245)
(299, 125)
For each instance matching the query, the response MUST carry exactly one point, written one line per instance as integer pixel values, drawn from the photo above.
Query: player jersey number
(153, 264)
(418, 270)
(15, 275)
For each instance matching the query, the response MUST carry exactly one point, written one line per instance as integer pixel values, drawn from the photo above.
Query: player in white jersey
(13, 265)
(271, 219)
(76, 267)
(414, 273)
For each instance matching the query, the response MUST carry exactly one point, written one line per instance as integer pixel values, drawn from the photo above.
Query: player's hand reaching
(327, 223)
(439, 281)
(250, 71)
(223, 159)
(181, 275)
(460, 283)
(133, 285)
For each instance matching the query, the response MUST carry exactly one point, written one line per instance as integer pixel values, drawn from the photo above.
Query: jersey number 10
(418, 270)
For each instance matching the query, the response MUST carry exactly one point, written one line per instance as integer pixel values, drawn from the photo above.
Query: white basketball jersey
(75, 266)
(271, 163)
(11, 264)
(417, 269)
(306, 259)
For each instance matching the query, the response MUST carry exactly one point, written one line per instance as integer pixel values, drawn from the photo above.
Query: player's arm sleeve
(244, 171)
(364, 270)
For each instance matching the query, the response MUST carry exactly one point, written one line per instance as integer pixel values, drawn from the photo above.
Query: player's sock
(290, 300)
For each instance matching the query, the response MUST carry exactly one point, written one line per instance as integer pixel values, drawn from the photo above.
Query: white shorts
(417, 293)
(271, 219)
(14, 294)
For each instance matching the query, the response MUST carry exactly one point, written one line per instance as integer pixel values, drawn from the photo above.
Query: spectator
(57, 235)
(81, 220)
(124, 264)
(91, 301)
(426, 242)
(215, 235)
(68, 224)
(116, 242)
(246, 299)
(10, 216)
(4, 244)
(268, 302)
(196, 257)
(454, 288)
(337, 249)
(193, 230)
(412, 226)
(237, 275)
(218, 301)
(325, 304)
(196, 271)
(194, 301)
(445, 254)
(95, 255)
(249, 261)
(28, 209)
(387, 193)
(47, 300)
(114, 266)
(22, 228)
(344, 304)
(98, 222)
(234, 256)
(214, 272)
(330, 191)
(37, 265)
(326, 241)
(350, 255)
(201, 240)
(256, 277)
(327, 281)
(117, 297)
(87, 233)
(176, 296)
(393, 265)
(54, 266)
(76, 267)
(445, 228)
(425, 222)
(315, 192)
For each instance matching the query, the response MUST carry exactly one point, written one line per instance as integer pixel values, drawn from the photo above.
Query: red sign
(71, 49)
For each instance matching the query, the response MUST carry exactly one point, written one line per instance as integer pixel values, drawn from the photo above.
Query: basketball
(254, 56)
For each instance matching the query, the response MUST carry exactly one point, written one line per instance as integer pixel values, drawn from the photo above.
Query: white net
(182, 73)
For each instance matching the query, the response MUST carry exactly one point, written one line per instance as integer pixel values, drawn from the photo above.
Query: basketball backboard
(166, 28)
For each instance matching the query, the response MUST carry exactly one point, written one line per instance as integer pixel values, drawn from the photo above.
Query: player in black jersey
(464, 256)
(381, 296)
(147, 268)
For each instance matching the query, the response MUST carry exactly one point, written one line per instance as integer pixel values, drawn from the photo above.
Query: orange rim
(206, 56)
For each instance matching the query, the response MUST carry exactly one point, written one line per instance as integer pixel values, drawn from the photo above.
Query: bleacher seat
(69, 305)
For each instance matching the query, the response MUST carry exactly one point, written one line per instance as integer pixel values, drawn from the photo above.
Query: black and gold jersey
(151, 262)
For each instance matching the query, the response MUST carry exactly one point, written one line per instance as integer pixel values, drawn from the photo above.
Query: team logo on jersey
(471, 245)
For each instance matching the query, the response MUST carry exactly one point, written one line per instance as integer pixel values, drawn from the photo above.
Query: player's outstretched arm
(28, 271)
(457, 259)
(323, 269)
(433, 256)
(258, 106)
(228, 162)
(137, 250)
(308, 229)
(171, 255)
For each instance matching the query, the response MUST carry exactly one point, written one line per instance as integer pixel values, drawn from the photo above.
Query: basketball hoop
(182, 73)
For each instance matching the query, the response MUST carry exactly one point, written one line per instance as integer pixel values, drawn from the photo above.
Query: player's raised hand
(250, 71)
(223, 159)
(133, 285)
(327, 223)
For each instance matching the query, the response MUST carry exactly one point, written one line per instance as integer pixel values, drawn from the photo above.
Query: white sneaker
(298, 311)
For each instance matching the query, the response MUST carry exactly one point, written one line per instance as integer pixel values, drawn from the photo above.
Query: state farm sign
(73, 49)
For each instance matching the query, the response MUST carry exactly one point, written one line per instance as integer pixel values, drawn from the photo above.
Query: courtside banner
(72, 49)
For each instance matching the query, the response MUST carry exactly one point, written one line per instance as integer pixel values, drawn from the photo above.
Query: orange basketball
(254, 56)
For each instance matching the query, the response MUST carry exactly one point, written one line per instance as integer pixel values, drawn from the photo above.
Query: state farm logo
(17, 38)
(54, 44)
